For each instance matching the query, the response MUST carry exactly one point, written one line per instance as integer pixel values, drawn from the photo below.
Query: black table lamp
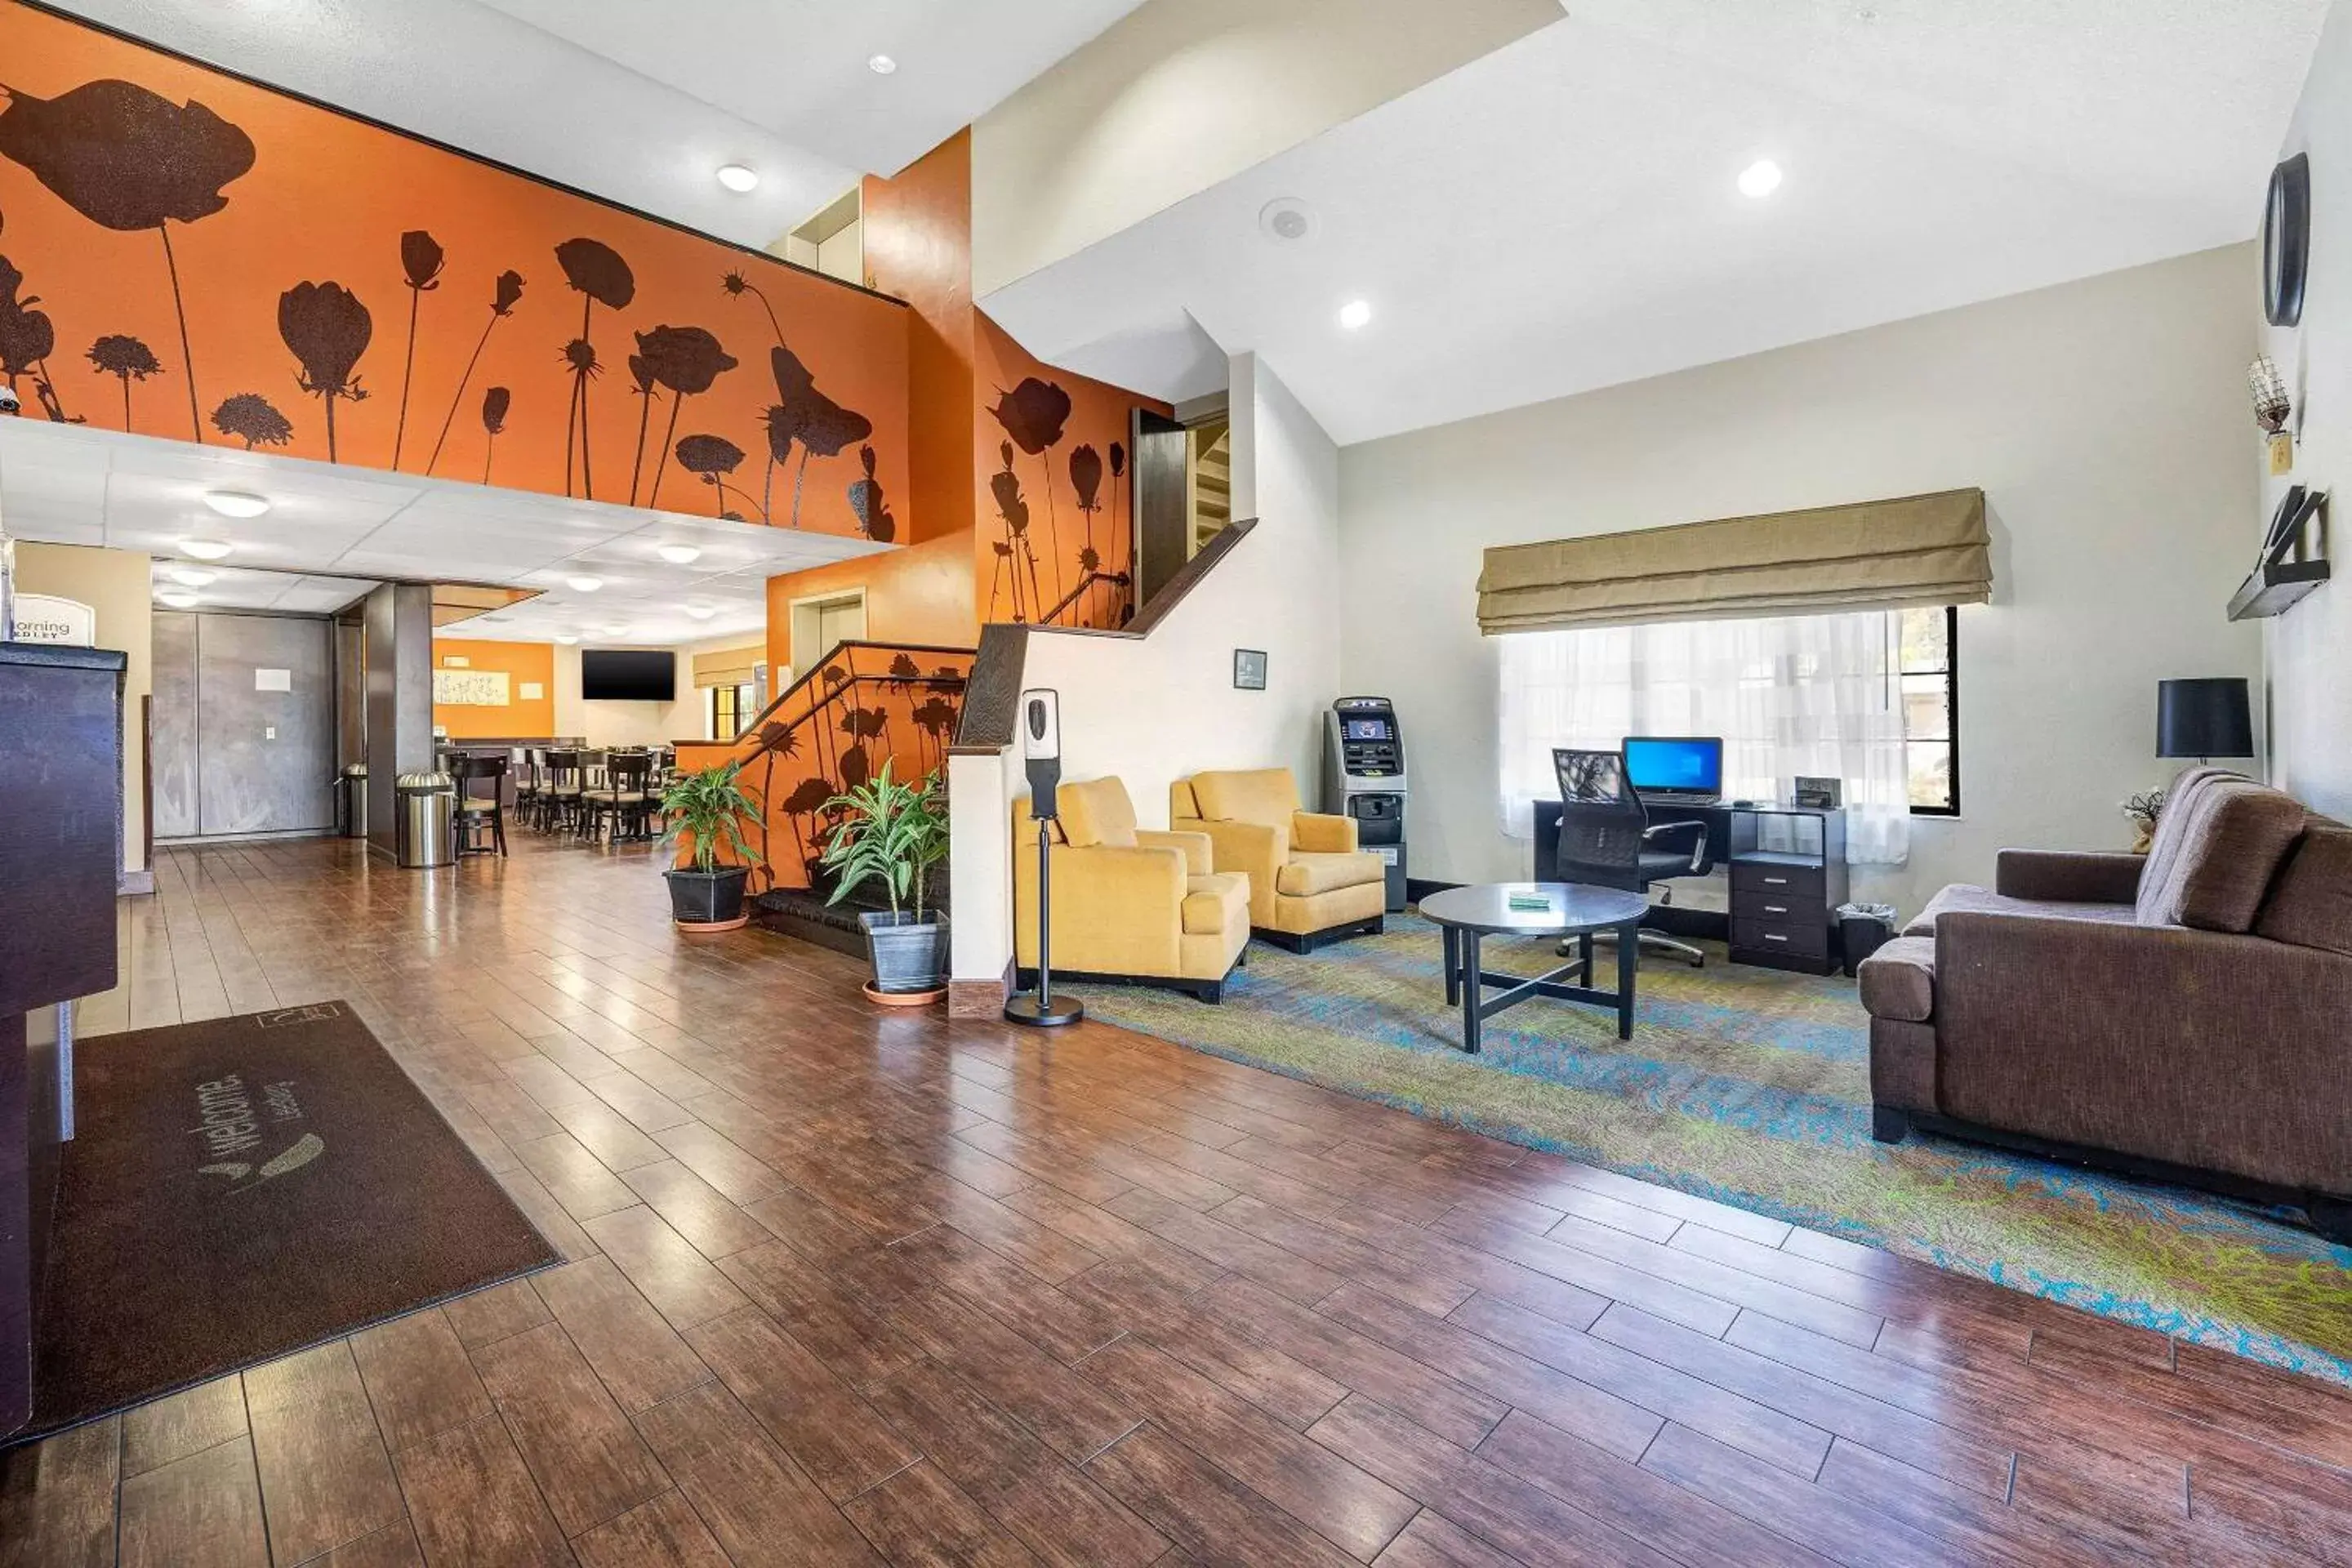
(2205, 717)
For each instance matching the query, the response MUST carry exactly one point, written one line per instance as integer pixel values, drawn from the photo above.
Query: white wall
(2310, 647)
(2105, 420)
(1156, 708)
(1179, 95)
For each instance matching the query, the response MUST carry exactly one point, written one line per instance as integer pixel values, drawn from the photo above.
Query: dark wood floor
(853, 1286)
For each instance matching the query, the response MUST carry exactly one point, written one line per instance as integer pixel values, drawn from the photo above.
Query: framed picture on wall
(1249, 668)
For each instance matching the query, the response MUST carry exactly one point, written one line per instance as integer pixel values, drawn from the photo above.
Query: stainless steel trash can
(350, 801)
(424, 803)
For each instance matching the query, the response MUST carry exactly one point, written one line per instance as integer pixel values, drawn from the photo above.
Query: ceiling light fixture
(583, 585)
(881, 65)
(205, 549)
(740, 178)
(1355, 313)
(701, 612)
(680, 555)
(566, 639)
(1760, 179)
(237, 503)
(178, 598)
(191, 577)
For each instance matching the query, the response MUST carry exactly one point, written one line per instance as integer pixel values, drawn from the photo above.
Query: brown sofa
(2185, 1014)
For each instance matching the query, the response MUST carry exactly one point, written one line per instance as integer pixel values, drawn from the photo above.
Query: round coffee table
(1570, 908)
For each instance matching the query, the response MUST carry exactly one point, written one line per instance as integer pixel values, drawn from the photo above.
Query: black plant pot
(910, 955)
(707, 897)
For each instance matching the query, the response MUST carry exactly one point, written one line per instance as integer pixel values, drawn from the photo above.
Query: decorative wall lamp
(2272, 409)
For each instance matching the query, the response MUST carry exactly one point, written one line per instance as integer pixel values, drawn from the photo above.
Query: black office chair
(1606, 838)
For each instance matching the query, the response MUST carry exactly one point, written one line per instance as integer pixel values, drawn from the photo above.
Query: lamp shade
(2210, 717)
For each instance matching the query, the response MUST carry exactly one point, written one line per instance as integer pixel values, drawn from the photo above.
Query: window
(1931, 714)
(1791, 696)
(730, 709)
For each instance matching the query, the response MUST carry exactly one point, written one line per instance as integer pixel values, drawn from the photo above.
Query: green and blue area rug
(1752, 1086)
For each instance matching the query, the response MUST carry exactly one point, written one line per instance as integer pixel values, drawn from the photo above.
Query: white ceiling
(798, 67)
(331, 533)
(639, 101)
(1561, 215)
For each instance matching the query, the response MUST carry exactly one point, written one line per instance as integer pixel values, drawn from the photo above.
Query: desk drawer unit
(1777, 881)
(1765, 940)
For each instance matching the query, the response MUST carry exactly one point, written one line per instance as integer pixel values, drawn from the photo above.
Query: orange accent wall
(296, 246)
(1037, 536)
(919, 594)
(917, 239)
(520, 662)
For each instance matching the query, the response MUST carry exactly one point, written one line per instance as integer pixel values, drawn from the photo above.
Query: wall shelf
(2275, 587)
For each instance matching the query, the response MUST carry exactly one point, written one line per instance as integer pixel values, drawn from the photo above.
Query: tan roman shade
(729, 665)
(1870, 555)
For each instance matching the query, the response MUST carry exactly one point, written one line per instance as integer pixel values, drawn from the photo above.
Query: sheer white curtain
(1818, 695)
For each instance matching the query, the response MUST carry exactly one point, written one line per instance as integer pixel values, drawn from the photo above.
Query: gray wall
(399, 624)
(234, 755)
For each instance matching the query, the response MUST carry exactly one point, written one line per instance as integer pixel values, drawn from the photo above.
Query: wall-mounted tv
(628, 675)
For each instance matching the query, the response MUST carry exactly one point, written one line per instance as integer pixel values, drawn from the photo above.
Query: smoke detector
(1286, 218)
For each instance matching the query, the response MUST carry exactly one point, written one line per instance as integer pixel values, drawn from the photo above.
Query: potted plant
(896, 832)
(707, 809)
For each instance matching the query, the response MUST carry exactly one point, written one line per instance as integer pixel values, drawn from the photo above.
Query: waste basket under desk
(1786, 866)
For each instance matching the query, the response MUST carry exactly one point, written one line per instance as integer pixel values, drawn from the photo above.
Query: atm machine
(1363, 778)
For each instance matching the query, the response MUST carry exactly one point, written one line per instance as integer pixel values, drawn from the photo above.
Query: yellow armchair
(1309, 884)
(1128, 903)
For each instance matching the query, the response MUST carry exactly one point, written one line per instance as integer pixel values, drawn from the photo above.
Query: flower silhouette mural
(1035, 413)
(129, 159)
(27, 338)
(1127, 589)
(1086, 485)
(504, 295)
(1013, 552)
(712, 457)
(421, 262)
(252, 419)
(868, 506)
(685, 361)
(804, 415)
(495, 403)
(127, 358)
(328, 330)
(596, 271)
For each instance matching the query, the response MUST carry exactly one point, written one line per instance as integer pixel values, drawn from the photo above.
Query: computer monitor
(1675, 764)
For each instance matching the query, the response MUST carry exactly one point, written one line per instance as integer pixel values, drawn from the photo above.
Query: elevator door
(244, 725)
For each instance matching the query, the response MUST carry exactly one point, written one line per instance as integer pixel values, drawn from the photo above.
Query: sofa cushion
(2171, 823)
(1097, 812)
(2310, 904)
(1266, 795)
(2226, 844)
(1984, 900)
(1305, 875)
(1216, 903)
(1898, 981)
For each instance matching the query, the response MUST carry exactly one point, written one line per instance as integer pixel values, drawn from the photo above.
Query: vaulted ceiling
(1563, 214)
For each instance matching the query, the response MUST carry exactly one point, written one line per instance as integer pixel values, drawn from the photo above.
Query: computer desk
(1783, 902)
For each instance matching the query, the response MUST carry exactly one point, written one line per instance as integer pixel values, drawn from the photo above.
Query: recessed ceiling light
(178, 598)
(583, 585)
(881, 65)
(701, 612)
(1355, 313)
(205, 549)
(566, 639)
(237, 503)
(738, 177)
(192, 576)
(680, 555)
(1760, 179)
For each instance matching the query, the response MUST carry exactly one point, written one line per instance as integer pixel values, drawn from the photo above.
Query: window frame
(733, 699)
(1951, 736)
